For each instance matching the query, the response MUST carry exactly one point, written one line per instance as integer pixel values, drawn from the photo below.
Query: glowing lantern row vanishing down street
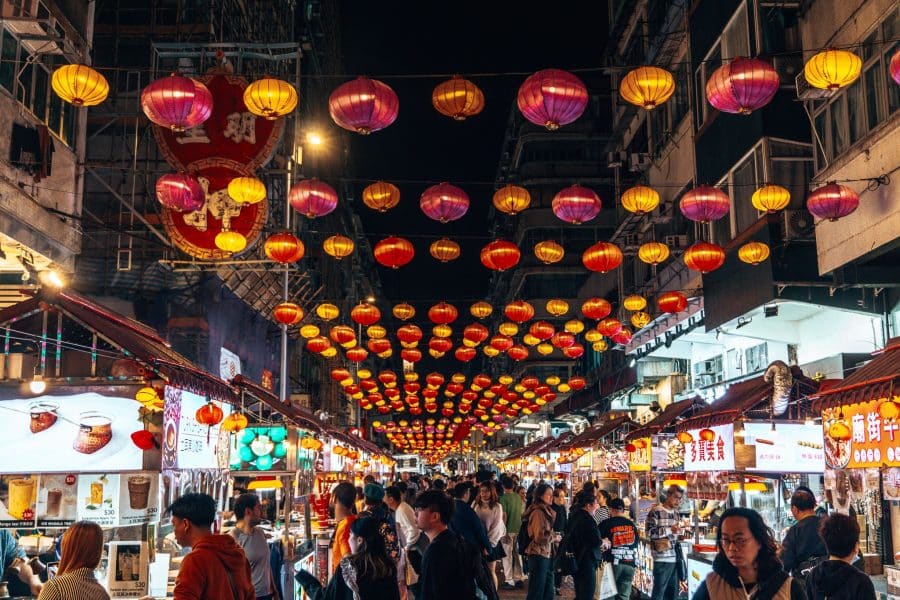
(270, 98)
(381, 196)
(177, 102)
(363, 105)
(705, 203)
(653, 253)
(832, 69)
(179, 192)
(444, 250)
(284, 247)
(647, 87)
(79, 85)
(457, 98)
(312, 198)
(551, 98)
(394, 252)
(444, 202)
(704, 257)
(511, 199)
(576, 204)
(770, 198)
(338, 246)
(742, 85)
(549, 252)
(832, 201)
(500, 255)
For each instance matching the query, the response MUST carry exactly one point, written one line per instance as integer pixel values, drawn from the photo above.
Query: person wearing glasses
(747, 564)
(662, 527)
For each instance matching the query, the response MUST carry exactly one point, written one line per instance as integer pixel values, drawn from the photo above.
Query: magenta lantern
(444, 202)
(742, 85)
(832, 201)
(177, 102)
(576, 204)
(705, 203)
(895, 66)
(363, 105)
(179, 191)
(552, 98)
(313, 198)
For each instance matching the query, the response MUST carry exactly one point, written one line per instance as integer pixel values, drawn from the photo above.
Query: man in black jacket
(836, 578)
(803, 548)
(465, 521)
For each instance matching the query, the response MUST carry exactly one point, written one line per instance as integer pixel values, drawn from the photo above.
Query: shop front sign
(857, 436)
(710, 449)
(639, 458)
(188, 444)
(790, 448)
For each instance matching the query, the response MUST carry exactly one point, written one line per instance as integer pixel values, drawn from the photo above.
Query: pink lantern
(832, 201)
(742, 85)
(444, 202)
(363, 105)
(705, 203)
(576, 204)
(895, 67)
(313, 198)
(552, 97)
(177, 102)
(179, 191)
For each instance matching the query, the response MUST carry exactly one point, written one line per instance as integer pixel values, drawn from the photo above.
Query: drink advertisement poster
(710, 449)
(128, 572)
(188, 444)
(57, 500)
(138, 498)
(98, 499)
(18, 499)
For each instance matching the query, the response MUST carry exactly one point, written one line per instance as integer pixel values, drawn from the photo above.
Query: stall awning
(297, 415)
(668, 417)
(529, 449)
(563, 439)
(590, 436)
(878, 378)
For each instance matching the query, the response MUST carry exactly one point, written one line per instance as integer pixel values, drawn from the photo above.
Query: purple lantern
(444, 202)
(313, 198)
(742, 86)
(180, 192)
(832, 201)
(552, 97)
(576, 204)
(705, 203)
(895, 67)
(363, 105)
(177, 102)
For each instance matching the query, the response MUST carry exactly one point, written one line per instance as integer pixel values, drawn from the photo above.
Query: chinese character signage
(639, 458)
(791, 448)
(857, 436)
(711, 449)
(188, 444)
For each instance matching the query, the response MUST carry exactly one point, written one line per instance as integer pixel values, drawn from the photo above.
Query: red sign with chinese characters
(857, 436)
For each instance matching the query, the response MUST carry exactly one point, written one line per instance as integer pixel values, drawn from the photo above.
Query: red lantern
(551, 98)
(378, 345)
(501, 342)
(409, 333)
(704, 257)
(177, 102)
(442, 313)
(412, 355)
(363, 105)
(562, 339)
(576, 204)
(394, 252)
(340, 374)
(517, 352)
(284, 248)
(672, 302)
(832, 201)
(312, 198)
(602, 257)
(707, 435)
(440, 344)
(623, 336)
(542, 330)
(742, 85)
(476, 333)
(444, 202)
(530, 382)
(387, 377)
(685, 437)
(365, 314)
(573, 351)
(596, 308)
(318, 344)
(209, 414)
(357, 354)
(342, 334)
(180, 192)
(630, 448)
(609, 326)
(518, 311)
(704, 203)
(463, 354)
(288, 313)
(500, 255)
(435, 380)
(577, 383)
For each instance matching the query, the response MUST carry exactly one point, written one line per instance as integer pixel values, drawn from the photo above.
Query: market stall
(598, 454)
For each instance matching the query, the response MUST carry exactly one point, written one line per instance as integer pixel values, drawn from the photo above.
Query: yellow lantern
(634, 302)
(469, 343)
(507, 328)
(552, 380)
(832, 69)
(512, 199)
(557, 307)
(444, 250)
(309, 331)
(79, 85)
(481, 309)
(338, 246)
(442, 331)
(564, 388)
(593, 335)
(647, 87)
(640, 319)
(329, 352)
(599, 346)
(549, 252)
(640, 199)
(490, 351)
(403, 311)
(753, 253)
(530, 340)
(327, 311)
(505, 379)
(230, 241)
(653, 253)
(247, 190)
(457, 98)
(376, 332)
(574, 326)
(544, 348)
(771, 198)
(270, 98)
(386, 354)
(381, 196)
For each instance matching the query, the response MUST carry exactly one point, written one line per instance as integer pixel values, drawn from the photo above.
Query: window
(734, 41)
(665, 119)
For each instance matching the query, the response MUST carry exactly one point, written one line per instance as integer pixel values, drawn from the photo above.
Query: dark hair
(539, 491)
(439, 484)
(244, 503)
(401, 485)
(360, 494)
(803, 500)
(507, 482)
(371, 558)
(369, 479)
(459, 490)
(199, 509)
(766, 560)
(344, 494)
(605, 495)
(841, 534)
(436, 501)
(583, 498)
(394, 492)
(486, 485)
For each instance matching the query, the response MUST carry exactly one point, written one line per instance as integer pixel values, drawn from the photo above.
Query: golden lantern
(444, 250)
(403, 311)
(230, 241)
(512, 199)
(327, 311)
(592, 335)
(284, 247)
(552, 380)
(600, 346)
(771, 198)
(574, 326)
(832, 69)
(653, 253)
(640, 319)
(549, 252)
(329, 352)
(247, 190)
(381, 196)
(505, 379)
(435, 353)
(640, 199)
(753, 253)
(544, 348)
(508, 328)
(309, 331)
(530, 340)
(288, 313)
(490, 351)
(442, 331)
(481, 309)
(557, 307)
(270, 98)
(79, 85)
(634, 302)
(647, 87)
(338, 246)
(564, 388)
(376, 332)
(457, 98)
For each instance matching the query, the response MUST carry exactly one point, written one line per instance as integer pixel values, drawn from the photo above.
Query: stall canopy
(530, 449)
(592, 435)
(668, 417)
(878, 378)
(297, 415)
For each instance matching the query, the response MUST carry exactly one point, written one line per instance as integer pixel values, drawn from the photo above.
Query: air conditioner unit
(677, 241)
(616, 159)
(638, 161)
(662, 214)
(808, 92)
(798, 223)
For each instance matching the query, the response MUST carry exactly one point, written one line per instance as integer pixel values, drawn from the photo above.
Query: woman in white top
(81, 549)
(488, 509)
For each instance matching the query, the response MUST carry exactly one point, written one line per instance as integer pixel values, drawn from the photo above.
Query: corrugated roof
(666, 418)
(738, 399)
(298, 415)
(593, 434)
(878, 378)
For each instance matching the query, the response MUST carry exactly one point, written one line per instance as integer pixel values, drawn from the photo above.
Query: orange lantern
(357, 354)
(517, 352)
(685, 437)
(440, 344)
(704, 257)
(602, 257)
(511, 199)
(365, 314)
(577, 383)
(500, 255)
(394, 252)
(501, 342)
(288, 313)
(411, 355)
(557, 307)
(596, 308)
(640, 319)
(442, 313)
(457, 98)
(542, 330)
(464, 354)
(753, 253)
(549, 252)
(653, 253)
(381, 196)
(481, 310)
(519, 311)
(318, 344)
(403, 311)
(647, 86)
(284, 248)
(209, 414)
(707, 435)
(444, 250)
(342, 334)
(235, 422)
(338, 246)
(640, 199)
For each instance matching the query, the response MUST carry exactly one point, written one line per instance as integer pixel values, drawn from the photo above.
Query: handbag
(497, 552)
(608, 587)
(566, 563)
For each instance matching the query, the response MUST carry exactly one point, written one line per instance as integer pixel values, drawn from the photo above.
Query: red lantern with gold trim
(577, 383)
(704, 257)
(542, 330)
(500, 255)
(609, 326)
(342, 334)
(442, 313)
(357, 354)
(284, 247)
(596, 308)
(573, 351)
(409, 333)
(501, 342)
(288, 313)
(440, 344)
(365, 314)
(209, 414)
(476, 333)
(672, 302)
(519, 311)
(517, 352)
(412, 355)
(394, 252)
(463, 354)
(602, 257)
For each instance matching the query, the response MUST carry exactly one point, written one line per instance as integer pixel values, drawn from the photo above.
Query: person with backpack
(512, 506)
(538, 529)
(582, 540)
(837, 578)
(376, 508)
(803, 548)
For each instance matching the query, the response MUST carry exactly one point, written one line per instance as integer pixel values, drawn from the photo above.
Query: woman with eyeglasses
(747, 566)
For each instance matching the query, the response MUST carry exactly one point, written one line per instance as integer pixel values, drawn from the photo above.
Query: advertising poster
(138, 498)
(128, 572)
(697, 572)
(229, 364)
(792, 448)
(711, 449)
(18, 499)
(259, 448)
(857, 436)
(188, 444)
(66, 434)
(639, 458)
(667, 453)
(57, 500)
(98, 499)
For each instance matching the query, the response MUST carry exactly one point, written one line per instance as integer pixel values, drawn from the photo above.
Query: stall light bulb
(37, 385)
